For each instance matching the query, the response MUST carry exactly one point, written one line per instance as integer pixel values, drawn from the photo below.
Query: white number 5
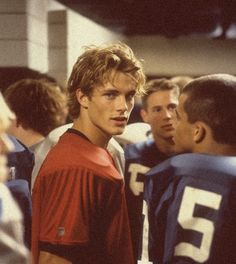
(186, 219)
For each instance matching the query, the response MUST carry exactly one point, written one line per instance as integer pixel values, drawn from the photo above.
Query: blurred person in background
(191, 197)
(39, 106)
(181, 80)
(158, 110)
(12, 249)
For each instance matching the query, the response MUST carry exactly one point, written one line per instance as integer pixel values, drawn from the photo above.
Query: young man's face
(160, 113)
(110, 104)
(184, 132)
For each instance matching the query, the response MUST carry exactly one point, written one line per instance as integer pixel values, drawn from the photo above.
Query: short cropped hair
(155, 85)
(212, 100)
(38, 104)
(95, 67)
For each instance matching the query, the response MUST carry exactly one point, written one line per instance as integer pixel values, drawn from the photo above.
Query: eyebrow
(133, 92)
(110, 90)
(161, 106)
(156, 106)
(115, 91)
(172, 104)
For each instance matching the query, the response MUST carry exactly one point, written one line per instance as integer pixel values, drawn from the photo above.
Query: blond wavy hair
(95, 67)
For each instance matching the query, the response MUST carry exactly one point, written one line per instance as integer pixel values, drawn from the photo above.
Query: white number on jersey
(145, 256)
(134, 170)
(191, 197)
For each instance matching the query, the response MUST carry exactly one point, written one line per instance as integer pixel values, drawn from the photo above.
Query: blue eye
(110, 96)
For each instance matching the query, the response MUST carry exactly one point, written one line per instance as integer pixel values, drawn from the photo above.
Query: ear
(144, 115)
(199, 132)
(82, 98)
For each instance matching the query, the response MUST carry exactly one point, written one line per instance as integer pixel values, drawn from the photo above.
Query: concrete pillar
(23, 34)
(69, 32)
(57, 40)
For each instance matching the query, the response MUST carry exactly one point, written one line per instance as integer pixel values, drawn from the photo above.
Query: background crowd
(86, 180)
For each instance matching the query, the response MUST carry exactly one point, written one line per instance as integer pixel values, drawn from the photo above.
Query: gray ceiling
(170, 18)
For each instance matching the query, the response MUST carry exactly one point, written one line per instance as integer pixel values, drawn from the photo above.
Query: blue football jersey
(139, 158)
(192, 209)
(20, 161)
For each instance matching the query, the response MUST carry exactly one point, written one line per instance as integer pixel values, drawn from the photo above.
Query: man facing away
(39, 105)
(158, 110)
(191, 197)
(79, 207)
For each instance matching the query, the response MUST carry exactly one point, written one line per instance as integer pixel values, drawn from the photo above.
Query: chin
(118, 131)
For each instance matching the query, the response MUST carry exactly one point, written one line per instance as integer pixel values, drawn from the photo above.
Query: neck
(28, 137)
(165, 145)
(94, 134)
(215, 148)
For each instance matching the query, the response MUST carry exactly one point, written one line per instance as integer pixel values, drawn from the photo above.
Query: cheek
(178, 130)
(99, 107)
(173, 116)
(155, 118)
(149, 119)
(130, 105)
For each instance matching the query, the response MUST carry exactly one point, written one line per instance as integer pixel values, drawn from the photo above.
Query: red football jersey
(78, 199)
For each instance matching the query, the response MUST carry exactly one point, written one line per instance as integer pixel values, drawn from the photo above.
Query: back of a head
(212, 99)
(181, 80)
(96, 67)
(38, 104)
(12, 74)
(155, 85)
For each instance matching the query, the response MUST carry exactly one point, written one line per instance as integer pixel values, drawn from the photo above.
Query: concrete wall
(68, 34)
(83, 32)
(185, 55)
(57, 39)
(23, 33)
(37, 34)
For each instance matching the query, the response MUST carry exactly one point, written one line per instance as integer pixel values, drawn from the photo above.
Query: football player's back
(191, 197)
(193, 209)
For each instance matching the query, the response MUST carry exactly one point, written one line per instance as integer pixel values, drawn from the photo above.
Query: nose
(168, 113)
(122, 104)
